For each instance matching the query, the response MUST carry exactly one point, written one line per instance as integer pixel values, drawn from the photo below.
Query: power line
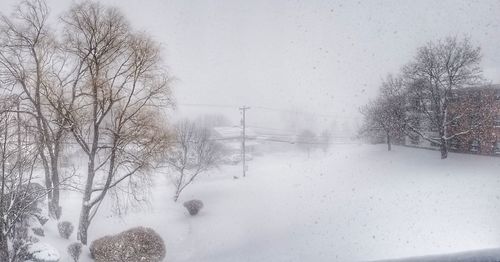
(311, 142)
(269, 128)
(210, 105)
(297, 112)
(269, 109)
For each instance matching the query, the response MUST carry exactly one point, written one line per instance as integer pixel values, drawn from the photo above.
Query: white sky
(324, 57)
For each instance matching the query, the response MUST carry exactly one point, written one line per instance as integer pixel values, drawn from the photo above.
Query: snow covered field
(357, 202)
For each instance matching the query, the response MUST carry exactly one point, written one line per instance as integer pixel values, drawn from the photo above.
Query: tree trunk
(179, 184)
(4, 248)
(444, 130)
(176, 196)
(83, 224)
(444, 149)
(54, 203)
(48, 179)
(388, 142)
(178, 191)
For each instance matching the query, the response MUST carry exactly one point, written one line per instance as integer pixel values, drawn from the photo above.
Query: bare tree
(193, 153)
(386, 115)
(116, 113)
(32, 65)
(437, 71)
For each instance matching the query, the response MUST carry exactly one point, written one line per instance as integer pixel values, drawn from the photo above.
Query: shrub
(43, 252)
(65, 229)
(25, 200)
(38, 231)
(41, 219)
(31, 193)
(23, 204)
(193, 206)
(75, 250)
(134, 245)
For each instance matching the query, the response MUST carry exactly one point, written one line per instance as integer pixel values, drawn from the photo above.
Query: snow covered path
(357, 202)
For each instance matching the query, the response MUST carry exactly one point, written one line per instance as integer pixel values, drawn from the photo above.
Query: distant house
(231, 136)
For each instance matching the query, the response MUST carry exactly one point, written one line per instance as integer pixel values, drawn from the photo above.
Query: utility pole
(243, 138)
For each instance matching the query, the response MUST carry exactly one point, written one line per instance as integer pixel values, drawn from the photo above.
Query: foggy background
(316, 60)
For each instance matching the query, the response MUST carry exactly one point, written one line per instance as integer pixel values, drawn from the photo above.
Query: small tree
(386, 116)
(306, 141)
(193, 153)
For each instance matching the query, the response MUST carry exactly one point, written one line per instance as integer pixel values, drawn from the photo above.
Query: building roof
(232, 132)
(236, 145)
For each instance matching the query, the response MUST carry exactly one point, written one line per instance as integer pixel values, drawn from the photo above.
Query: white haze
(322, 57)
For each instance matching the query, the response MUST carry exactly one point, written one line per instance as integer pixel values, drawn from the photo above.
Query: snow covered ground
(357, 202)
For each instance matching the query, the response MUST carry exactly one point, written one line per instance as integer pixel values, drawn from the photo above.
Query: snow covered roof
(286, 138)
(237, 145)
(232, 132)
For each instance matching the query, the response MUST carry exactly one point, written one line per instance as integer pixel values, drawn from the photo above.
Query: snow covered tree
(386, 115)
(193, 153)
(438, 70)
(32, 66)
(116, 111)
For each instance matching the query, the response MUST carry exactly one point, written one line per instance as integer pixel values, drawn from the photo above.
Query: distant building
(230, 138)
(481, 106)
(474, 110)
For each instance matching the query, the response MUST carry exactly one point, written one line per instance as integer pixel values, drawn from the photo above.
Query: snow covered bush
(30, 194)
(43, 252)
(193, 206)
(22, 209)
(75, 250)
(41, 218)
(38, 231)
(134, 245)
(65, 229)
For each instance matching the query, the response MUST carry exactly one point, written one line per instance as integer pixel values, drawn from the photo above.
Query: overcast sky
(325, 57)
